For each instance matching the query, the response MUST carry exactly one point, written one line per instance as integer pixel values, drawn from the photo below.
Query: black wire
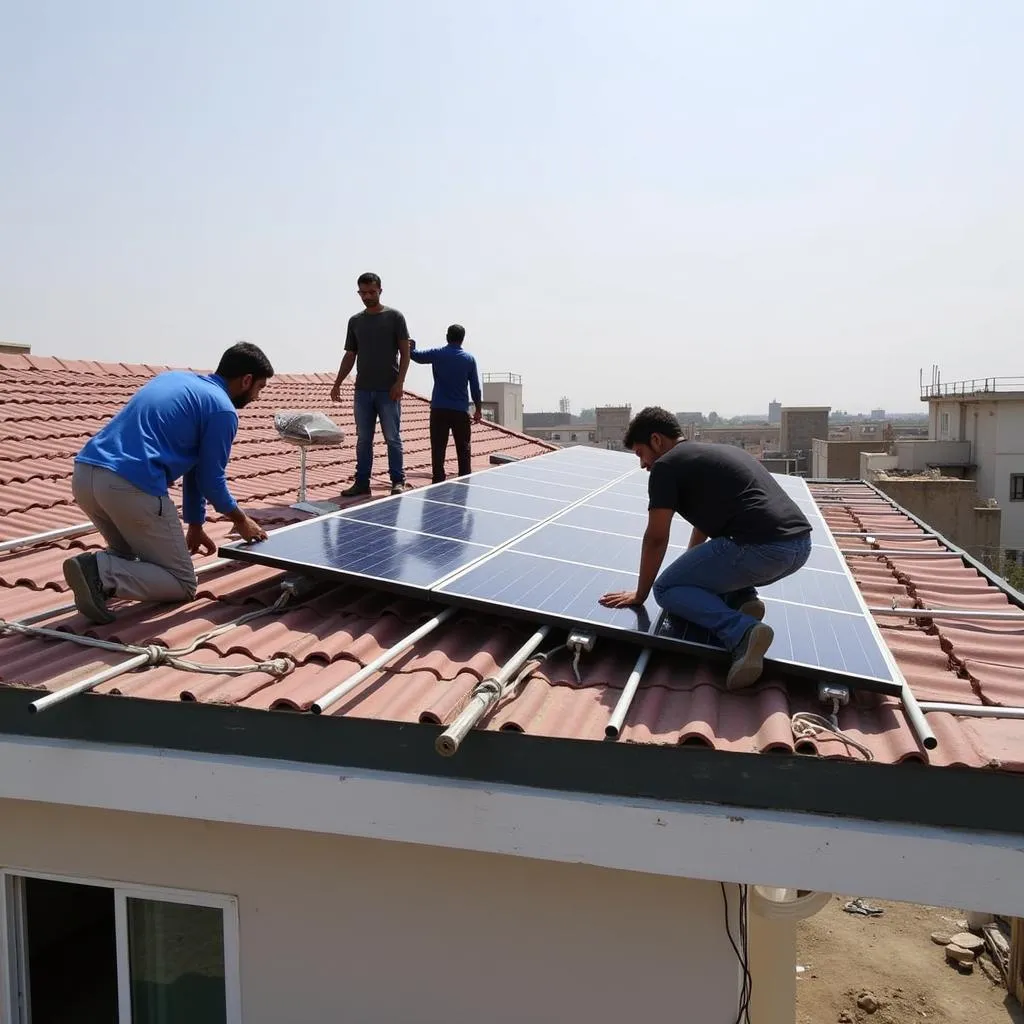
(742, 950)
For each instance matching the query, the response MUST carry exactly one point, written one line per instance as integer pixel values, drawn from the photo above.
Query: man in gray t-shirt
(377, 345)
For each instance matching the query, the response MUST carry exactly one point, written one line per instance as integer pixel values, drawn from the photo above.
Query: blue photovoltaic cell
(350, 548)
(836, 641)
(809, 586)
(558, 589)
(454, 521)
(548, 536)
(588, 547)
(825, 558)
(486, 499)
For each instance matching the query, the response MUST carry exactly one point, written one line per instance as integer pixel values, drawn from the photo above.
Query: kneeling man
(747, 532)
(179, 424)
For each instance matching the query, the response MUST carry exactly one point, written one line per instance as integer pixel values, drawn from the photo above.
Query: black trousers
(441, 422)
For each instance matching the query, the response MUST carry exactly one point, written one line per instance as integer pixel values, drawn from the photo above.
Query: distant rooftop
(988, 387)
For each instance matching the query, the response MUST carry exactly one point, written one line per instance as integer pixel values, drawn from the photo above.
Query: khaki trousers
(146, 557)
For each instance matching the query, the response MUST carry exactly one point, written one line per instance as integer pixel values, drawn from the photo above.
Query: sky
(699, 205)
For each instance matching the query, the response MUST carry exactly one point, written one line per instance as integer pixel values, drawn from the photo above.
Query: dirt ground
(892, 957)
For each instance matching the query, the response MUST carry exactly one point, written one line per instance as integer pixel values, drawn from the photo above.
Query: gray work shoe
(400, 488)
(83, 577)
(748, 658)
(754, 608)
(356, 491)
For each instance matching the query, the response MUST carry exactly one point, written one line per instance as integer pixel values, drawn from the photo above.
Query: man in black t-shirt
(377, 345)
(746, 532)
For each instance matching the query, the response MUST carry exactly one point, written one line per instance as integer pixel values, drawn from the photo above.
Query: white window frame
(943, 425)
(13, 944)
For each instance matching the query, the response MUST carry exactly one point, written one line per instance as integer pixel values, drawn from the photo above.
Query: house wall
(840, 460)
(952, 507)
(995, 428)
(334, 929)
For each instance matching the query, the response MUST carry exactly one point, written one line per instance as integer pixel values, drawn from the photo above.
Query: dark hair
(368, 279)
(242, 358)
(652, 420)
(457, 333)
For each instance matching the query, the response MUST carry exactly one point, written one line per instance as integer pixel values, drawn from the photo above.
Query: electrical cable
(741, 947)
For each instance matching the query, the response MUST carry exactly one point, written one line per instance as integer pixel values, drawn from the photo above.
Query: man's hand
(397, 391)
(249, 530)
(198, 540)
(478, 416)
(336, 391)
(621, 599)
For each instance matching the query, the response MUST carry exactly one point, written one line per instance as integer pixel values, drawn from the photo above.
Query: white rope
(171, 656)
(807, 725)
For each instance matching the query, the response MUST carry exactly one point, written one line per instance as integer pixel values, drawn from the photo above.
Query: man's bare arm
(652, 554)
(403, 368)
(347, 362)
(696, 538)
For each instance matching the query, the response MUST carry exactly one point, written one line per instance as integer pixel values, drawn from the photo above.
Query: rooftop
(981, 387)
(49, 407)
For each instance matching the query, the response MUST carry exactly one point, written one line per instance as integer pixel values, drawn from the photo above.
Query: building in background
(799, 425)
(15, 348)
(565, 406)
(983, 421)
(566, 434)
(611, 424)
(878, 414)
(774, 412)
(503, 399)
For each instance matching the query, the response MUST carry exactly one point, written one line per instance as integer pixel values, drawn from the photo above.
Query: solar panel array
(546, 537)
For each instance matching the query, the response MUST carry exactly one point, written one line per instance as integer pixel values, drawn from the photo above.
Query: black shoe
(357, 490)
(754, 608)
(748, 658)
(400, 488)
(83, 577)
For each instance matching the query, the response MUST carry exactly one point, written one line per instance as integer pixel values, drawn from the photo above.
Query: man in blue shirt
(454, 372)
(179, 424)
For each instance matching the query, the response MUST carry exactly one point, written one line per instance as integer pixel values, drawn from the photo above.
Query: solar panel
(545, 538)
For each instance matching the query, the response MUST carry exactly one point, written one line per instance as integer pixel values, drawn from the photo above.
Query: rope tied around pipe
(157, 655)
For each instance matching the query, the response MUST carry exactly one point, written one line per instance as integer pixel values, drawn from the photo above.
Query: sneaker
(400, 488)
(357, 490)
(83, 577)
(748, 658)
(754, 608)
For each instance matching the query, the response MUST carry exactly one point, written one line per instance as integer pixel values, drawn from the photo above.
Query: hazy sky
(704, 205)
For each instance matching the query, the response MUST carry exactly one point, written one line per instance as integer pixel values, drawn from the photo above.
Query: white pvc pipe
(342, 690)
(905, 535)
(46, 537)
(482, 700)
(952, 613)
(84, 685)
(971, 710)
(618, 716)
(892, 553)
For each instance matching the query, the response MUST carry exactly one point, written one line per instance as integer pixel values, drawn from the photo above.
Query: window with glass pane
(176, 962)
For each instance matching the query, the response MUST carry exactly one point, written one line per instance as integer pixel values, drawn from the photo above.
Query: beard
(242, 400)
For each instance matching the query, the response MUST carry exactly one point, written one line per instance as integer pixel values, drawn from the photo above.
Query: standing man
(454, 372)
(377, 344)
(747, 532)
(178, 424)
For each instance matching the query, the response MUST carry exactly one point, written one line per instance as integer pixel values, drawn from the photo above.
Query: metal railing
(976, 386)
(503, 378)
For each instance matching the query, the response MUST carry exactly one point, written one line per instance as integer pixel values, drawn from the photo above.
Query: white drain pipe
(329, 699)
(486, 695)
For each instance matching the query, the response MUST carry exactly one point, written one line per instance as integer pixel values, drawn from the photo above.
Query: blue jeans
(368, 406)
(705, 585)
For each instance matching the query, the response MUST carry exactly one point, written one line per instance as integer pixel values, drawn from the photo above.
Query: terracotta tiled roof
(49, 407)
